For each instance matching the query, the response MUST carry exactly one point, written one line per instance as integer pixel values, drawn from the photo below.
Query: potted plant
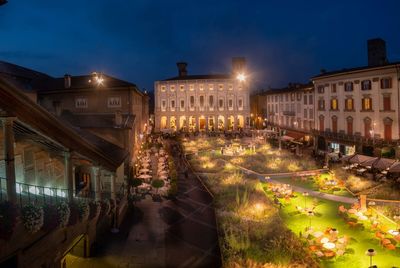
(32, 217)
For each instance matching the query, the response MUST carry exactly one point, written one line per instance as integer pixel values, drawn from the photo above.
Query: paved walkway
(180, 232)
(337, 198)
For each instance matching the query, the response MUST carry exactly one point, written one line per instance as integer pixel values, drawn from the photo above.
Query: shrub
(8, 219)
(64, 214)
(94, 209)
(83, 210)
(74, 213)
(32, 218)
(105, 207)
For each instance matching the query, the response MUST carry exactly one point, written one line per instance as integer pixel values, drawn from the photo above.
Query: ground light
(370, 252)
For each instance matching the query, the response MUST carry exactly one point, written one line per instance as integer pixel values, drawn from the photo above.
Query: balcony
(346, 138)
(290, 113)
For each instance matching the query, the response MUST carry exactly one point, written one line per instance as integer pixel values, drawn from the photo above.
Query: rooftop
(96, 120)
(290, 88)
(356, 69)
(200, 77)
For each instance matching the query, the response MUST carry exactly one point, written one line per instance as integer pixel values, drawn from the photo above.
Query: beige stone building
(203, 102)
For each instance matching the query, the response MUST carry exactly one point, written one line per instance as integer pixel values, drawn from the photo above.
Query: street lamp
(241, 77)
(370, 252)
(310, 214)
(305, 194)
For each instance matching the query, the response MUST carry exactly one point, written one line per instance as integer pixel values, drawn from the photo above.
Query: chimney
(376, 52)
(238, 65)
(67, 81)
(182, 68)
(118, 118)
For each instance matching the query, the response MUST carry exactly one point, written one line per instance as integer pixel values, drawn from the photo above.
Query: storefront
(342, 148)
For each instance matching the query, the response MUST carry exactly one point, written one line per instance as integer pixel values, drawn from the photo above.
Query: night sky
(140, 41)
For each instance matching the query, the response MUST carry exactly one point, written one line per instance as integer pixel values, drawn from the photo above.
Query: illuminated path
(332, 197)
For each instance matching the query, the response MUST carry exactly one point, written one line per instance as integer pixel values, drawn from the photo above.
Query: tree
(157, 184)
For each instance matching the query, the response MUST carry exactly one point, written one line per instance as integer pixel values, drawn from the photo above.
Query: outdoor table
(361, 171)
(324, 240)
(384, 172)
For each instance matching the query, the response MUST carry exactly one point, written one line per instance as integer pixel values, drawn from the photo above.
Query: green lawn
(327, 216)
(310, 184)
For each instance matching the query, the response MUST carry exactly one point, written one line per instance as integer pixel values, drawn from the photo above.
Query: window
(276, 98)
(220, 86)
(333, 88)
(240, 103)
(192, 101)
(334, 124)
(172, 88)
(163, 105)
(201, 101)
(182, 87)
(367, 128)
(366, 104)
(292, 97)
(201, 87)
(230, 103)
(321, 105)
(387, 122)
(311, 114)
(81, 103)
(114, 102)
(349, 125)
(305, 113)
(386, 82)
(182, 104)
(298, 96)
(321, 123)
(211, 87)
(348, 86)
(221, 103)
(366, 85)
(349, 104)
(320, 89)
(230, 87)
(162, 88)
(305, 99)
(172, 104)
(334, 104)
(386, 103)
(310, 99)
(211, 100)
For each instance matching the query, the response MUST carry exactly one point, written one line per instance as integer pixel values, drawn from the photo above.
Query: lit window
(334, 104)
(230, 87)
(211, 87)
(386, 83)
(162, 88)
(191, 87)
(221, 103)
(172, 88)
(366, 85)
(349, 104)
(182, 88)
(321, 89)
(114, 102)
(192, 101)
(201, 87)
(81, 103)
(367, 104)
(348, 86)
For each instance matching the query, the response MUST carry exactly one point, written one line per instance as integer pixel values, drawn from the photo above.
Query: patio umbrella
(163, 172)
(144, 170)
(359, 158)
(379, 163)
(395, 168)
(346, 158)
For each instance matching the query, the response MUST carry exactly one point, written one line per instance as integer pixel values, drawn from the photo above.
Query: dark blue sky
(140, 41)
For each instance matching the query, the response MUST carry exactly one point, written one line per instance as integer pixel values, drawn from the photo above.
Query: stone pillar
(113, 186)
(68, 175)
(96, 179)
(8, 134)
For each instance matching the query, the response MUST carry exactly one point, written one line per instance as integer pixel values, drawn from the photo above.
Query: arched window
(349, 104)
(349, 125)
(366, 85)
(367, 127)
(387, 122)
(334, 123)
(348, 86)
(321, 123)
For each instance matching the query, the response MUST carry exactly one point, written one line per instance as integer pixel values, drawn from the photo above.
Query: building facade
(358, 109)
(290, 108)
(203, 102)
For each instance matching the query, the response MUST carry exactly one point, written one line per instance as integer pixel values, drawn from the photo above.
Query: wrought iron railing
(28, 193)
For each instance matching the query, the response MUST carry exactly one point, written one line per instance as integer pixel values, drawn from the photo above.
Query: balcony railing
(290, 113)
(378, 142)
(28, 193)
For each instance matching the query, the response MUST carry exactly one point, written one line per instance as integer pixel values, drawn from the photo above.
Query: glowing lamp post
(310, 214)
(241, 77)
(370, 252)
